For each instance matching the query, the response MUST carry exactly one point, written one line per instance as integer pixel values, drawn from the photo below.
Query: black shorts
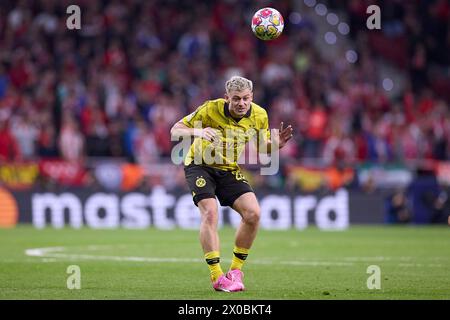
(207, 182)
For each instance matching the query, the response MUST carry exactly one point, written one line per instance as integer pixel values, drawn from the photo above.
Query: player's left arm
(280, 138)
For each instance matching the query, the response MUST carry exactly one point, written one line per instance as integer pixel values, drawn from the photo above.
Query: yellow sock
(239, 256)
(213, 261)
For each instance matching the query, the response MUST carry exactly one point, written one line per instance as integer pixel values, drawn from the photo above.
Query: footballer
(221, 128)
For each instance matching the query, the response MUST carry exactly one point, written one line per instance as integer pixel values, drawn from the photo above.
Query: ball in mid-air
(267, 24)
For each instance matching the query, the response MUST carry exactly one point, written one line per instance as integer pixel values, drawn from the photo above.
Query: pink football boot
(236, 276)
(225, 284)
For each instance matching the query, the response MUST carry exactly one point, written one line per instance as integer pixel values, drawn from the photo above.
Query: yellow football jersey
(233, 134)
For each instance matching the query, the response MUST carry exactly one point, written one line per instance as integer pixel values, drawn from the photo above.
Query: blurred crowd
(115, 87)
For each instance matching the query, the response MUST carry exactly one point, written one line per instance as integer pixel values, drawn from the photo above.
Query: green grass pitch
(155, 264)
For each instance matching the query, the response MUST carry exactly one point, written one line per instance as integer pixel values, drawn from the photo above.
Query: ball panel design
(267, 24)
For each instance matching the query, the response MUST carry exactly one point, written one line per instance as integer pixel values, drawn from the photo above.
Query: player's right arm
(193, 125)
(179, 129)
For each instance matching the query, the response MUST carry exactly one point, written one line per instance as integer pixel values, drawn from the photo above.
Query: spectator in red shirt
(316, 131)
(9, 149)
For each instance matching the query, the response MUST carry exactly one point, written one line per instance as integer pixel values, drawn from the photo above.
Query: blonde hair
(237, 83)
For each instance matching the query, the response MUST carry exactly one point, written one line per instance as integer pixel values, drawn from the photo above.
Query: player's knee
(210, 216)
(251, 216)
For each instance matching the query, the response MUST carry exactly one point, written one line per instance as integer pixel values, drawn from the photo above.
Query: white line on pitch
(49, 254)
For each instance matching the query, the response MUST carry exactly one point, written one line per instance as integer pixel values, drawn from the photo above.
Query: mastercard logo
(9, 213)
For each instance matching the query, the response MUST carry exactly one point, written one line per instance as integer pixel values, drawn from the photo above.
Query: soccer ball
(267, 24)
